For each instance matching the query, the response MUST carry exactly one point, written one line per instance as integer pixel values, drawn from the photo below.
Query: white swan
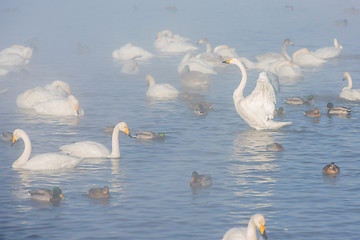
(128, 51)
(330, 52)
(195, 64)
(167, 42)
(349, 93)
(89, 149)
(225, 51)
(258, 108)
(210, 58)
(55, 90)
(194, 80)
(257, 221)
(60, 107)
(279, 56)
(160, 91)
(45, 161)
(304, 58)
(14, 56)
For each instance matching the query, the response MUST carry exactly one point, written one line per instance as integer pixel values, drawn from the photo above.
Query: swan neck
(251, 231)
(115, 149)
(26, 154)
(284, 53)
(240, 89)
(349, 80)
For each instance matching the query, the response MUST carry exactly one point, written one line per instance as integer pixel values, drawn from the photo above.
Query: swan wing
(86, 149)
(51, 161)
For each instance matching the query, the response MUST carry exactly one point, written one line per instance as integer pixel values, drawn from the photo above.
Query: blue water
(149, 184)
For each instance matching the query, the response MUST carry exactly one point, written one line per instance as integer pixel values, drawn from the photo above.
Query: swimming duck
(313, 113)
(99, 193)
(148, 135)
(274, 147)
(45, 195)
(331, 169)
(200, 181)
(279, 112)
(337, 110)
(299, 100)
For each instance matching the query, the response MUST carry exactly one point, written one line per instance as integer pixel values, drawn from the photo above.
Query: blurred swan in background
(55, 90)
(60, 107)
(209, 57)
(258, 108)
(330, 52)
(257, 221)
(130, 67)
(128, 52)
(160, 91)
(194, 80)
(225, 51)
(279, 56)
(45, 161)
(90, 149)
(15, 55)
(304, 58)
(349, 93)
(195, 64)
(167, 42)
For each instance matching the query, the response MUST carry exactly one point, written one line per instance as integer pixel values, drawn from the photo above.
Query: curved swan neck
(115, 149)
(207, 44)
(239, 91)
(27, 150)
(283, 51)
(251, 231)
(150, 80)
(347, 75)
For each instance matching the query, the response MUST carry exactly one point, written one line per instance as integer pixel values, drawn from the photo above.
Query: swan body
(331, 110)
(258, 108)
(331, 169)
(167, 42)
(195, 64)
(14, 56)
(349, 93)
(90, 149)
(194, 79)
(60, 107)
(45, 161)
(209, 57)
(313, 113)
(299, 100)
(46, 195)
(304, 58)
(160, 91)
(330, 52)
(128, 52)
(200, 181)
(99, 193)
(57, 89)
(225, 51)
(257, 221)
(278, 56)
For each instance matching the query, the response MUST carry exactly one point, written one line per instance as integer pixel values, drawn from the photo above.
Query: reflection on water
(33, 118)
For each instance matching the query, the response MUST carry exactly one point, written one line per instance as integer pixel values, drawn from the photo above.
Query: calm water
(149, 184)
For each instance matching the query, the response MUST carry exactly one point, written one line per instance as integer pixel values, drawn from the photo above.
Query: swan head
(259, 221)
(61, 86)
(16, 135)
(346, 75)
(204, 41)
(150, 80)
(165, 32)
(122, 126)
(75, 103)
(288, 42)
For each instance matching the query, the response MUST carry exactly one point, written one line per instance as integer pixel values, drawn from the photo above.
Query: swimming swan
(128, 52)
(258, 108)
(167, 42)
(160, 91)
(349, 93)
(330, 52)
(90, 149)
(257, 221)
(304, 58)
(15, 55)
(279, 56)
(45, 161)
(195, 64)
(60, 107)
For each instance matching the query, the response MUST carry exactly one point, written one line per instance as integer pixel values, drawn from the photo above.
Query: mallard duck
(337, 110)
(279, 112)
(331, 169)
(274, 147)
(299, 100)
(99, 193)
(200, 181)
(313, 113)
(45, 195)
(148, 135)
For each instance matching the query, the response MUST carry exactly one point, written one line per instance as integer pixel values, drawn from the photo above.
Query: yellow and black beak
(13, 141)
(227, 61)
(262, 231)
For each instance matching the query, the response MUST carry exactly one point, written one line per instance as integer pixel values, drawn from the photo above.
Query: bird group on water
(257, 109)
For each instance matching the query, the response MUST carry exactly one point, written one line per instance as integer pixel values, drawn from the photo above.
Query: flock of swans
(257, 109)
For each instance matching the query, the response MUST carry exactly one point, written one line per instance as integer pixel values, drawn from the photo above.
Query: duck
(129, 51)
(55, 90)
(147, 135)
(90, 149)
(99, 193)
(167, 42)
(274, 147)
(331, 110)
(279, 112)
(331, 169)
(347, 92)
(160, 91)
(313, 113)
(200, 181)
(257, 109)
(45, 161)
(60, 107)
(299, 100)
(200, 108)
(46, 195)
(257, 221)
(330, 52)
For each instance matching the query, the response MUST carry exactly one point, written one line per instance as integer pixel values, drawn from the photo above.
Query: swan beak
(262, 231)
(127, 132)
(227, 61)
(77, 109)
(13, 141)
(62, 196)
